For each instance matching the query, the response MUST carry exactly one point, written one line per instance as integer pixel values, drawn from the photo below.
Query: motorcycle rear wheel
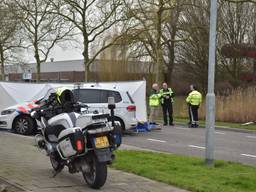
(97, 175)
(55, 162)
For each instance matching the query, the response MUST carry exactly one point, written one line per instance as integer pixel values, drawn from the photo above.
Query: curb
(223, 128)
(236, 130)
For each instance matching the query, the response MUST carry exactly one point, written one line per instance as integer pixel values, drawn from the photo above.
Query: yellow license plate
(101, 142)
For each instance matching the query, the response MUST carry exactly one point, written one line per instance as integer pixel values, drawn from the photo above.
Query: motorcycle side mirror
(111, 103)
(112, 106)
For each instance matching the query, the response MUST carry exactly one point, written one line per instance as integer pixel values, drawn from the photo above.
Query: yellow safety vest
(162, 93)
(154, 100)
(194, 98)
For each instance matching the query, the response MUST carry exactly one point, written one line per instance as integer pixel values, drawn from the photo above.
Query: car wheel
(24, 125)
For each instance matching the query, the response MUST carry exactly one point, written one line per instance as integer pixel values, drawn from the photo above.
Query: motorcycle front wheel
(96, 175)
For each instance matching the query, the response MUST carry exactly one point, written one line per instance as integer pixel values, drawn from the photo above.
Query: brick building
(73, 71)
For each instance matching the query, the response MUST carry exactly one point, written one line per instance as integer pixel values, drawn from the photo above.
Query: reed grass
(237, 106)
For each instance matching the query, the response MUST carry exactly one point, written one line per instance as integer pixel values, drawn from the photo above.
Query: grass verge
(188, 172)
(221, 124)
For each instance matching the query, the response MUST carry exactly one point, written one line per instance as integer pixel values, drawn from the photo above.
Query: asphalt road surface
(229, 145)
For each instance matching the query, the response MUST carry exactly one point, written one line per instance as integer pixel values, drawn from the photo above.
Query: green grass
(188, 172)
(222, 124)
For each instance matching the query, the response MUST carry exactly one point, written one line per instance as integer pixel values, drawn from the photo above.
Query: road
(230, 145)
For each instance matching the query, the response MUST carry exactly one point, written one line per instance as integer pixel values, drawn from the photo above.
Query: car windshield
(96, 95)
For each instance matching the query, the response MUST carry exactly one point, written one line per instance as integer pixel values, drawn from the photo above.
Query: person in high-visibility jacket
(154, 102)
(166, 102)
(194, 99)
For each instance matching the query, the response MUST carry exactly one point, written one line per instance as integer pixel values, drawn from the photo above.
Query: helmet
(64, 95)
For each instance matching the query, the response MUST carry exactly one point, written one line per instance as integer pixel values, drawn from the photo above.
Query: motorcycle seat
(73, 118)
(52, 133)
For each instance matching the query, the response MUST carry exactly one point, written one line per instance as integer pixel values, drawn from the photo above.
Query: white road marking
(252, 137)
(182, 128)
(156, 140)
(195, 146)
(221, 133)
(249, 155)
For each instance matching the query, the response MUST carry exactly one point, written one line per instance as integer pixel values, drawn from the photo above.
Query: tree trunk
(254, 69)
(159, 63)
(171, 46)
(170, 69)
(38, 64)
(86, 60)
(254, 60)
(2, 62)
(159, 52)
(168, 75)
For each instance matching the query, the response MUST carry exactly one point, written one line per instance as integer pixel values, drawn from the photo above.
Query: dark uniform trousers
(193, 114)
(167, 108)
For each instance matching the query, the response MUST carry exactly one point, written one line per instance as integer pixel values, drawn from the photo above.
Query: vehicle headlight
(8, 111)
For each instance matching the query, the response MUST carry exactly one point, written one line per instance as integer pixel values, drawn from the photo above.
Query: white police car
(18, 119)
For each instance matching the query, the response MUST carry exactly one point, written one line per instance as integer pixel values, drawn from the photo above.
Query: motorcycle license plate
(101, 142)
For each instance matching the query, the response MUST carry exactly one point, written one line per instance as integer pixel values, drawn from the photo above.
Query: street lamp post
(210, 97)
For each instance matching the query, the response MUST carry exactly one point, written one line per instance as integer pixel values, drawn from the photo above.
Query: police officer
(166, 102)
(154, 103)
(193, 100)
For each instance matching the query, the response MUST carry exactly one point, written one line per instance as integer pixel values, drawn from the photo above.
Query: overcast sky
(58, 54)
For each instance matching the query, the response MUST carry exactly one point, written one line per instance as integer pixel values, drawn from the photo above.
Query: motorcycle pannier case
(71, 142)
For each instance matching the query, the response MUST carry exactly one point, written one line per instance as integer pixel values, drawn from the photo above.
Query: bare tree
(154, 34)
(241, 1)
(252, 39)
(172, 38)
(193, 53)
(93, 19)
(147, 18)
(235, 24)
(42, 28)
(9, 36)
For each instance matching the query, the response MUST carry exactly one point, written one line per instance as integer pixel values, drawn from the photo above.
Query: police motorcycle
(82, 141)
